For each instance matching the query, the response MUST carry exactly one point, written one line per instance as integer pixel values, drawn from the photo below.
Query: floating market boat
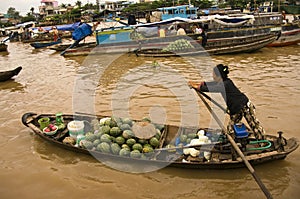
(44, 44)
(290, 35)
(221, 35)
(114, 139)
(62, 47)
(6, 75)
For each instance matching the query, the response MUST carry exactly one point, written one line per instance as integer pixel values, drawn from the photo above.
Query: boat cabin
(183, 11)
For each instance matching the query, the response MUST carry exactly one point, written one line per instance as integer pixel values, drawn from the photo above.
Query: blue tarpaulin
(82, 31)
(65, 27)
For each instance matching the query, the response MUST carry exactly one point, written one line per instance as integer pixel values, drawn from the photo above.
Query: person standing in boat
(180, 30)
(238, 104)
(55, 33)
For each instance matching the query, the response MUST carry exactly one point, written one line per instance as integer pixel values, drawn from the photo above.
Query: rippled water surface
(138, 87)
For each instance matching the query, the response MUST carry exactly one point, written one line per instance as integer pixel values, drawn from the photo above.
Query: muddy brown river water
(137, 87)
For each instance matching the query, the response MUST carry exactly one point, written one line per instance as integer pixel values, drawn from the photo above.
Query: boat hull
(290, 35)
(44, 44)
(216, 44)
(7, 75)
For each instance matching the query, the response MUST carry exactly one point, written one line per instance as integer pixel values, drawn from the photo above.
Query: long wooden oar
(213, 101)
(237, 149)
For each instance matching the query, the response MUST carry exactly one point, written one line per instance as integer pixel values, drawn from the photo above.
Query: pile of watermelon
(114, 135)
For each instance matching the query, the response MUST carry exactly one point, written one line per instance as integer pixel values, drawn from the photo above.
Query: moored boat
(62, 47)
(186, 147)
(43, 44)
(222, 35)
(6, 75)
(290, 35)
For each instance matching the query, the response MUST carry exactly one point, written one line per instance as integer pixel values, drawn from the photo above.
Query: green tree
(28, 17)
(11, 12)
(32, 10)
(78, 3)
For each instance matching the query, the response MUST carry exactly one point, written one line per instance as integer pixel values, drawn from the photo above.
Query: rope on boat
(260, 148)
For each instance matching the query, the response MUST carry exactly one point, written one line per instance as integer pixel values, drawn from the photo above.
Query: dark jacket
(234, 98)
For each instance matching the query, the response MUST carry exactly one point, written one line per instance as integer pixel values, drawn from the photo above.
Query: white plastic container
(76, 128)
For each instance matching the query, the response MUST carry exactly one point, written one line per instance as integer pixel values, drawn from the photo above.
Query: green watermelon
(130, 142)
(115, 131)
(125, 146)
(158, 134)
(135, 154)
(148, 149)
(120, 140)
(96, 142)
(115, 148)
(103, 147)
(113, 123)
(154, 142)
(143, 141)
(137, 146)
(124, 152)
(104, 129)
(127, 121)
(160, 127)
(116, 119)
(107, 122)
(128, 134)
(124, 127)
(87, 144)
(99, 134)
(183, 138)
(105, 138)
(192, 135)
(90, 137)
(146, 119)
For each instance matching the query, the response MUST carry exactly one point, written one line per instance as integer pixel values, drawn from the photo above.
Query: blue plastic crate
(240, 130)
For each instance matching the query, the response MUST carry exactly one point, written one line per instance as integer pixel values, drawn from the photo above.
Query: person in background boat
(54, 31)
(180, 30)
(41, 30)
(196, 29)
(283, 16)
(161, 32)
(238, 104)
(147, 17)
(21, 34)
(171, 30)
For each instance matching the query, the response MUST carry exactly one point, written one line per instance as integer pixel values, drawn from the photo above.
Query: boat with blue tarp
(219, 35)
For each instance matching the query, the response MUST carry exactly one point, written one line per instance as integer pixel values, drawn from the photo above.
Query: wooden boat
(3, 47)
(171, 149)
(62, 47)
(44, 44)
(290, 35)
(144, 40)
(6, 75)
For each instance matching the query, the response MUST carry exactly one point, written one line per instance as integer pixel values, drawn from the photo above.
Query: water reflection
(12, 86)
(51, 152)
(4, 53)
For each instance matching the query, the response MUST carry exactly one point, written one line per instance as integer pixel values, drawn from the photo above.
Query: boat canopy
(65, 27)
(82, 31)
(164, 22)
(230, 21)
